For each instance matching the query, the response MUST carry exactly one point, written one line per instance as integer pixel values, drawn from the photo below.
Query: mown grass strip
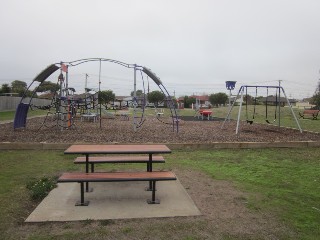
(284, 182)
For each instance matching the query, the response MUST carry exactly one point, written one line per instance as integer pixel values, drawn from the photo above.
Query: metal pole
(67, 85)
(279, 104)
(239, 113)
(229, 103)
(100, 90)
(86, 83)
(135, 99)
(86, 93)
(68, 112)
(289, 104)
(230, 109)
(60, 115)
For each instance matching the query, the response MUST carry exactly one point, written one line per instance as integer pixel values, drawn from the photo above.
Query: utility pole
(99, 94)
(86, 82)
(86, 93)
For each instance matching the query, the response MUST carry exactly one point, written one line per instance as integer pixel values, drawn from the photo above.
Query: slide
(20, 119)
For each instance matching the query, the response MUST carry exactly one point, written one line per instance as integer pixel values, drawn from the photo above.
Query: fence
(8, 103)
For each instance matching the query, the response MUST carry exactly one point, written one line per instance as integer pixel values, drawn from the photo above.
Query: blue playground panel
(20, 118)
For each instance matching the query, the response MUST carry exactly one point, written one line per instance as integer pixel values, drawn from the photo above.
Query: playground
(228, 208)
(117, 130)
(231, 188)
(73, 120)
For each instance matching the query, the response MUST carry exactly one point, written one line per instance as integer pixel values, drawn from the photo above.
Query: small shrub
(127, 230)
(40, 188)
(88, 221)
(106, 222)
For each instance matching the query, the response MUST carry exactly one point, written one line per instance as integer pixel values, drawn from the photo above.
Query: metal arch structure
(241, 93)
(21, 115)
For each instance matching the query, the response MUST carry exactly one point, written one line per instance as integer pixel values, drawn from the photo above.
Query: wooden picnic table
(88, 150)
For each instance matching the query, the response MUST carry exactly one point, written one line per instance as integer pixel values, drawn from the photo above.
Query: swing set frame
(240, 94)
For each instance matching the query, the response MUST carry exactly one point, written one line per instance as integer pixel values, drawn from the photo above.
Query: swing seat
(159, 112)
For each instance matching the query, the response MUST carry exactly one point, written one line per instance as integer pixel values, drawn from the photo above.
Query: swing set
(244, 91)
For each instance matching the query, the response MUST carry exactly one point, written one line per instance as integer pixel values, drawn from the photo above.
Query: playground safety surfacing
(121, 200)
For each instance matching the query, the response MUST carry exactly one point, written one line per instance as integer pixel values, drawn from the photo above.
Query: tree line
(157, 97)
(19, 88)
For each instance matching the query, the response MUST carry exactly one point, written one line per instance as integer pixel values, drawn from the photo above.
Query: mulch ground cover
(152, 130)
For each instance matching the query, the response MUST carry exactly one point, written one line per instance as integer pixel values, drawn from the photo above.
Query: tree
(19, 87)
(5, 88)
(139, 93)
(106, 97)
(48, 86)
(218, 98)
(316, 97)
(29, 93)
(156, 97)
(172, 102)
(188, 101)
(248, 99)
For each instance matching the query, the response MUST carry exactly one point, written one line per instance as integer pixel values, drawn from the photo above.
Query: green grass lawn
(9, 115)
(281, 182)
(287, 180)
(258, 115)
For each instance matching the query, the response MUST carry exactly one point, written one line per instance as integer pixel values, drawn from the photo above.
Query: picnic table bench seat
(119, 159)
(116, 177)
(313, 113)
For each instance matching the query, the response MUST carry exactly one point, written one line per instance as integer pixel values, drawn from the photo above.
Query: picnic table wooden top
(117, 149)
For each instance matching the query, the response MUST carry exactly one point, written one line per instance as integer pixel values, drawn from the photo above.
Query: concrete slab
(114, 201)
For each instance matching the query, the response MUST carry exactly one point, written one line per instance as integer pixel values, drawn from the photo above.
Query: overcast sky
(193, 46)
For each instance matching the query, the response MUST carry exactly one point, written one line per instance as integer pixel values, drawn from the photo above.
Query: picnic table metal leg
(149, 169)
(87, 171)
(153, 200)
(148, 166)
(82, 202)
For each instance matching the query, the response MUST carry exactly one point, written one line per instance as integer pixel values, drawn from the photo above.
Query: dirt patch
(151, 131)
(226, 208)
